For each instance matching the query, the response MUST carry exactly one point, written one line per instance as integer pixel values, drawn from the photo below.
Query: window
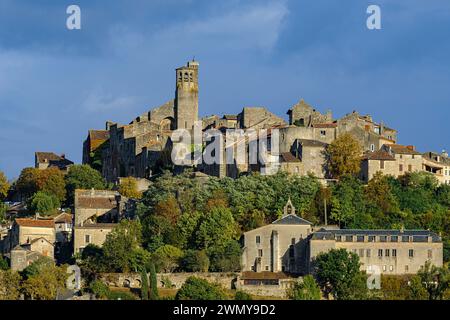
(382, 164)
(293, 241)
(371, 238)
(338, 238)
(400, 168)
(258, 239)
(267, 268)
(380, 253)
(391, 268)
(394, 238)
(361, 253)
(383, 238)
(405, 238)
(360, 238)
(323, 133)
(430, 254)
(401, 156)
(384, 268)
(87, 238)
(409, 167)
(411, 253)
(387, 252)
(372, 147)
(349, 238)
(260, 253)
(394, 252)
(406, 268)
(368, 253)
(413, 156)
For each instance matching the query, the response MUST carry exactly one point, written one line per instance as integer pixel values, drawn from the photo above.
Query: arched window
(186, 77)
(191, 77)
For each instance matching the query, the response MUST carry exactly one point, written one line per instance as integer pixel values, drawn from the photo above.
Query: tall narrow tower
(186, 96)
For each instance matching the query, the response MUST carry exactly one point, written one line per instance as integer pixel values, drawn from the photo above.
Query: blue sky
(55, 84)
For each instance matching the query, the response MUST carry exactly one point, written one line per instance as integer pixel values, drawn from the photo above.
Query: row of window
(387, 253)
(361, 238)
(293, 240)
(391, 268)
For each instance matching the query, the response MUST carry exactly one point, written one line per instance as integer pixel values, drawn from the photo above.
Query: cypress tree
(153, 283)
(144, 287)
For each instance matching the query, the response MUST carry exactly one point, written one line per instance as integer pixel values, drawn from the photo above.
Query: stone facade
(438, 165)
(91, 234)
(44, 160)
(278, 247)
(394, 252)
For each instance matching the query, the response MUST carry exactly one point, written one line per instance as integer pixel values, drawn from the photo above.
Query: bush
(167, 258)
(43, 203)
(241, 295)
(198, 289)
(99, 289)
(305, 290)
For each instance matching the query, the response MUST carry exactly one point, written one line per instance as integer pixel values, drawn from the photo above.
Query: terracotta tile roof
(378, 155)
(288, 157)
(96, 203)
(400, 149)
(35, 223)
(98, 134)
(325, 125)
(63, 218)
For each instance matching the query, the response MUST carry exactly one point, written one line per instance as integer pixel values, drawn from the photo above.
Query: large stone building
(278, 247)
(438, 165)
(291, 244)
(392, 252)
(44, 160)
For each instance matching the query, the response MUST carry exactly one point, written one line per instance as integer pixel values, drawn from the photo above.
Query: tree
(43, 203)
(195, 261)
(4, 186)
(37, 266)
(198, 289)
(99, 289)
(242, 295)
(226, 258)
(82, 177)
(338, 273)
(305, 290)
(145, 294)
(3, 209)
(167, 258)
(9, 285)
(27, 182)
(120, 244)
(129, 188)
(435, 280)
(3, 264)
(217, 228)
(379, 193)
(153, 283)
(46, 284)
(395, 287)
(417, 290)
(344, 156)
(52, 182)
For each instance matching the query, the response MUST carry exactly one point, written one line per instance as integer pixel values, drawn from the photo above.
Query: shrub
(198, 289)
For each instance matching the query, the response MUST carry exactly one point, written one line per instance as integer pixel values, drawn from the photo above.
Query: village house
(438, 165)
(44, 160)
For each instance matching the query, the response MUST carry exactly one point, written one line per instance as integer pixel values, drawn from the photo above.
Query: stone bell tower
(186, 96)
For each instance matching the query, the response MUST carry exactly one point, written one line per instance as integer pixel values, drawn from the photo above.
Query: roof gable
(292, 219)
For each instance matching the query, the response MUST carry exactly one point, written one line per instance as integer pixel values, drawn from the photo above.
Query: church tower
(186, 96)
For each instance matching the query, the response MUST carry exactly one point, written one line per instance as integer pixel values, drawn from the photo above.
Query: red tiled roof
(400, 149)
(379, 155)
(35, 223)
(63, 218)
(325, 125)
(96, 203)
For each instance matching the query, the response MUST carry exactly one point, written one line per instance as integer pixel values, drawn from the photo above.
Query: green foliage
(338, 273)
(99, 289)
(3, 209)
(435, 280)
(216, 229)
(45, 284)
(153, 283)
(198, 289)
(195, 261)
(3, 264)
(26, 184)
(226, 258)
(121, 244)
(395, 287)
(37, 267)
(305, 290)
(43, 203)
(82, 177)
(145, 294)
(417, 290)
(128, 187)
(9, 285)
(167, 258)
(242, 295)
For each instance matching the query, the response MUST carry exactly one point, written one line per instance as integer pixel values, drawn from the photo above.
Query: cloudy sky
(55, 84)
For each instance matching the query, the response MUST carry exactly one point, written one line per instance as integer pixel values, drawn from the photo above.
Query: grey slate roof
(418, 235)
(291, 219)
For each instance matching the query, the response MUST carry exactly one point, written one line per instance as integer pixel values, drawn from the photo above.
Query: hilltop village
(257, 230)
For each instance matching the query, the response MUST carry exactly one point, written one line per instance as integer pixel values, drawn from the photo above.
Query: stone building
(91, 233)
(44, 160)
(92, 206)
(406, 157)
(392, 252)
(278, 247)
(438, 165)
(94, 142)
